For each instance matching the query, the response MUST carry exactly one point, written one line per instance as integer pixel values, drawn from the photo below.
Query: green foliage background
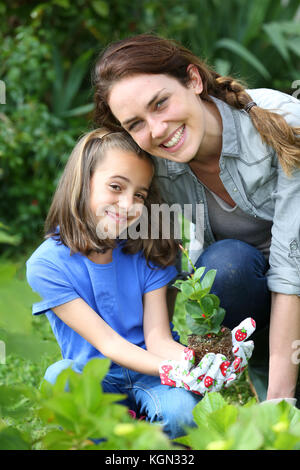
(47, 55)
(47, 51)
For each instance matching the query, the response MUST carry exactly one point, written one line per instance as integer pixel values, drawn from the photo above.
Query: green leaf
(218, 316)
(207, 305)
(193, 309)
(187, 289)
(101, 8)
(222, 419)
(274, 31)
(198, 273)
(245, 54)
(208, 279)
(215, 300)
(246, 436)
(196, 328)
(210, 403)
(79, 111)
(256, 15)
(294, 45)
(199, 292)
(12, 439)
(286, 441)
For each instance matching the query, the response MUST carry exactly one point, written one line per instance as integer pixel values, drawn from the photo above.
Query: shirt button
(234, 189)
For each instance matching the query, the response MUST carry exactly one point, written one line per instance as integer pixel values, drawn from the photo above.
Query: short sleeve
(52, 285)
(156, 277)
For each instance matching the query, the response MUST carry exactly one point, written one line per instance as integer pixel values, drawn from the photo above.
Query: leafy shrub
(75, 414)
(223, 426)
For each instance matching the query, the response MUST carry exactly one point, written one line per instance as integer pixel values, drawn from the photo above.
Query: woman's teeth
(175, 139)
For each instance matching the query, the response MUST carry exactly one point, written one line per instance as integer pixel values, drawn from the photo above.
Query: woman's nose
(157, 128)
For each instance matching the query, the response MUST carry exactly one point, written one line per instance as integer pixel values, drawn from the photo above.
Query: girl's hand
(210, 375)
(214, 371)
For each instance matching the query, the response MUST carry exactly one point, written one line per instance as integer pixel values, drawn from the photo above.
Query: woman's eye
(133, 125)
(160, 103)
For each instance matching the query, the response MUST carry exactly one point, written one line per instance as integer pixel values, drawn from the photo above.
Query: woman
(235, 151)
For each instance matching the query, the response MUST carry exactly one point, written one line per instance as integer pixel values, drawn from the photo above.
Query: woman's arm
(158, 337)
(284, 330)
(79, 316)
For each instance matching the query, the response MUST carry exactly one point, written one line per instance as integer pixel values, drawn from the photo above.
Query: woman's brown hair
(70, 220)
(147, 53)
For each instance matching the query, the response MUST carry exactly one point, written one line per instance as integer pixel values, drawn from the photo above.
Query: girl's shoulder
(51, 251)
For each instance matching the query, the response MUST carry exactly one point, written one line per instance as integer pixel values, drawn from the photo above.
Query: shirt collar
(230, 142)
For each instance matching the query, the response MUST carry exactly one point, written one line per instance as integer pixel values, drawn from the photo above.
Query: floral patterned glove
(214, 371)
(242, 349)
(210, 374)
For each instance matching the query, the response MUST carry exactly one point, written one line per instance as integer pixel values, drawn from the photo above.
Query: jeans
(240, 282)
(168, 406)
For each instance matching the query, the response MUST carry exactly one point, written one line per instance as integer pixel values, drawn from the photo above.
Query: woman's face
(164, 117)
(118, 190)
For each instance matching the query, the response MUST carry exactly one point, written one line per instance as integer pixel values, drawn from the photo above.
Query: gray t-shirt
(232, 222)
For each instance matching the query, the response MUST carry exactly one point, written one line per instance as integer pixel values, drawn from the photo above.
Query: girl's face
(119, 187)
(164, 117)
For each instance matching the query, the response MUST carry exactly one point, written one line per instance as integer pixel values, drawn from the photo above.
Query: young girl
(105, 294)
(235, 151)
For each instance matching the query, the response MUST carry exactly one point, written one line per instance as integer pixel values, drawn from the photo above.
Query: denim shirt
(253, 177)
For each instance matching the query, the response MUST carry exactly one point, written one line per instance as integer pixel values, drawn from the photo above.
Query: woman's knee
(231, 253)
(240, 281)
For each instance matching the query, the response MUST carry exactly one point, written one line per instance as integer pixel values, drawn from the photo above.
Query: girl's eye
(115, 187)
(141, 197)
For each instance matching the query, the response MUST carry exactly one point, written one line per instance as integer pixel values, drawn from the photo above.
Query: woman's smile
(175, 140)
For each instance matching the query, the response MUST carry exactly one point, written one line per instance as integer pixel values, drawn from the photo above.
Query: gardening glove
(171, 371)
(209, 375)
(242, 349)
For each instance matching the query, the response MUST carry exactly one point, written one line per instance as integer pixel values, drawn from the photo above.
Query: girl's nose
(126, 201)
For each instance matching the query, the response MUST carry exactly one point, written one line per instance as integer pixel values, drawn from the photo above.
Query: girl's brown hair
(147, 53)
(70, 219)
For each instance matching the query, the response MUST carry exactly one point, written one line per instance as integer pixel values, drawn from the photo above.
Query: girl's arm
(158, 337)
(284, 330)
(79, 316)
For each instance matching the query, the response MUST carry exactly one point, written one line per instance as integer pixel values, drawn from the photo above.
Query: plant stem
(185, 252)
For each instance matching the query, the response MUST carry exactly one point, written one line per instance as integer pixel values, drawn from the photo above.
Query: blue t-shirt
(114, 290)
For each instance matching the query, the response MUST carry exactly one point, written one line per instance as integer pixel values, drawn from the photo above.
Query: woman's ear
(195, 81)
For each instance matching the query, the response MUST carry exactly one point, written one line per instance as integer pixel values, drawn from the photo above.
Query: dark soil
(221, 343)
